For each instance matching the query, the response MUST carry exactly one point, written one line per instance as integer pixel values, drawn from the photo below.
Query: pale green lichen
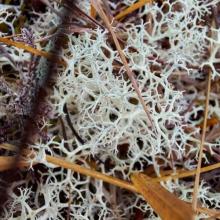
(106, 112)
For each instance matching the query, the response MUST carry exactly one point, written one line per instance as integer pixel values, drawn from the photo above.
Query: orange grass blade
(29, 49)
(164, 203)
(183, 174)
(210, 122)
(198, 170)
(89, 172)
(214, 214)
(6, 163)
(92, 11)
(61, 162)
(132, 8)
(9, 147)
(102, 14)
(178, 175)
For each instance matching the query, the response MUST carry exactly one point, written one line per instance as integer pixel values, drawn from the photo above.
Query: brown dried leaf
(164, 203)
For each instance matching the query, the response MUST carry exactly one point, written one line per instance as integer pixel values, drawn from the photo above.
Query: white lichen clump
(106, 112)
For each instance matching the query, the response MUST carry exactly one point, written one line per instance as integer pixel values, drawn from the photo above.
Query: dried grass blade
(102, 14)
(61, 162)
(214, 214)
(9, 147)
(179, 175)
(210, 122)
(92, 11)
(198, 170)
(7, 161)
(28, 48)
(88, 172)
(5, 165)
(184, 174)
(140, 187)
(164, 203)
(132, 8)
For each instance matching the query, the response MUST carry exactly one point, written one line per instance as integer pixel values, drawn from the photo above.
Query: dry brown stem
(198, 170)
(102, 14)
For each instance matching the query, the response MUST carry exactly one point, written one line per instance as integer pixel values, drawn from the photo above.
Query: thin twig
(102, 14)
(64, 133)
(69, 5)
(198, 170)
(68, 120)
